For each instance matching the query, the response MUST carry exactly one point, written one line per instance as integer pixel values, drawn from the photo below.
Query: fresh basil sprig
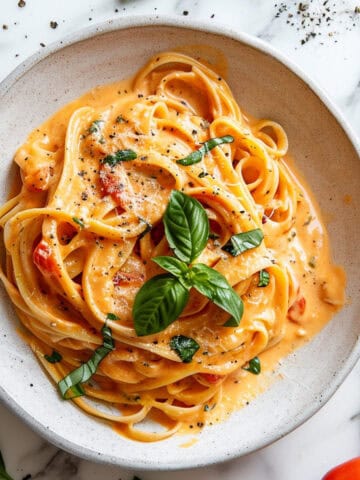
(241, 242)
(3, 473)
(70, 386)
(196, 157)
(264, 278)
(184, 347)
(254, 366)
(186, 226)
(119, 156)
(161, 300)
(55, 357)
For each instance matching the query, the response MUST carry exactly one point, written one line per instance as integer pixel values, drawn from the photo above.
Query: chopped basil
(208, 408)
(148, 227)
(264, 278)
(254, 366)
(95, 126)
(184, 347)
(203, 174)
(55, 357)
(197, 156)
(244, 241)
(70, 386)
(3, 473)
(79, 222)
(112, 316)
(119, 156)
(120, 119)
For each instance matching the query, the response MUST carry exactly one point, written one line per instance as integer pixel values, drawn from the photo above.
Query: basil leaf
(184, 347)
(95, 126)
(196, 157)
(55, 357)
(172, 265)
(216, 288)
(232, 322)
(119, 156)
(254, 366)
(264, 278)
(3, 473)
(244, 241)
(186, 226)
(70, 386)
(158, 303)
(112, 316)
(79, 222)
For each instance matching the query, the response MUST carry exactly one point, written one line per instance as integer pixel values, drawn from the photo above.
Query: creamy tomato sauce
(95, 228)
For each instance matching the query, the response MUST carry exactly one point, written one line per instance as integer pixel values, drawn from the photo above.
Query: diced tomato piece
(66, 232)
(44, 260)
(157, 233)
(297, 309)
(346, 471)
(211, 378)
(124, 279)
(114, 182)
(119, 210)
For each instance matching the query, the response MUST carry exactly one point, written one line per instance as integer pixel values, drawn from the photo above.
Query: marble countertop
(323, 38)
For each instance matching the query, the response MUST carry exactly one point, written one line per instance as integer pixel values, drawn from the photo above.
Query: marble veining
(327, 49)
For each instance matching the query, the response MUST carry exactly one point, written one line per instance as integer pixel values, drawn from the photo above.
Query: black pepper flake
(42, 44)
(21, 3)
(5, 27)
(53, 24)
(185, 13)
(312, 16)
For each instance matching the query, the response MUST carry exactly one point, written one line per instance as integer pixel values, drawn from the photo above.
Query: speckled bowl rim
(220, 30)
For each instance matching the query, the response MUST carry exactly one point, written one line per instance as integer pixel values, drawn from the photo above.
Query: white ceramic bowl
(266, 85)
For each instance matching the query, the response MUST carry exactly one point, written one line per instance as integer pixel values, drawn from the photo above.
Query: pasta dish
(161, 250)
